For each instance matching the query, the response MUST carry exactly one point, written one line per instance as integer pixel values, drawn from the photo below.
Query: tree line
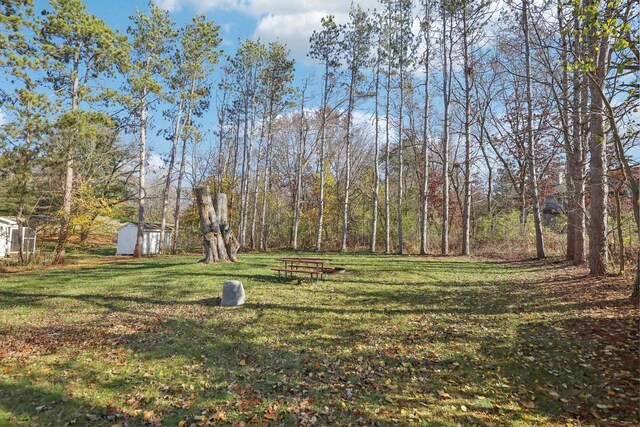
(425, 123)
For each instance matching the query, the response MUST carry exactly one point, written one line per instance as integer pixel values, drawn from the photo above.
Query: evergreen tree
(80, 51)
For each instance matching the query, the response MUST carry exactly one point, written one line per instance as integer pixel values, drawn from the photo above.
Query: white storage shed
(9, 238)
(151, 244)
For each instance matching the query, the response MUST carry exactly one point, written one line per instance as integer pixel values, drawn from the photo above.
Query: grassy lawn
(395, 340)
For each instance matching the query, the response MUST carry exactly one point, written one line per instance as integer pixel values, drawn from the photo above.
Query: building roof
(8, 221)
(150, 226)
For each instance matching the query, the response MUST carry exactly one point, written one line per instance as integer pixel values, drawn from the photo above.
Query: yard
(395, 340)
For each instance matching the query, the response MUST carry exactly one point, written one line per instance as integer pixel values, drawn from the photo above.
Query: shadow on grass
(580, 368)
(29, 404)
(235, 365)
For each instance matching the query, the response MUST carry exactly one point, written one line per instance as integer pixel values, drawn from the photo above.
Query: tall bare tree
(325, 48)
(355, 44)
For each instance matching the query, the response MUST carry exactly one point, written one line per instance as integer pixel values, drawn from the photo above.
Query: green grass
(395, 340)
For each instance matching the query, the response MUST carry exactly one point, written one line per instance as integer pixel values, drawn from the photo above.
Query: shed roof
(149, 226)
(8, 221)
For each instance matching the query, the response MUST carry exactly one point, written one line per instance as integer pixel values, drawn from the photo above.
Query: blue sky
(290, 21)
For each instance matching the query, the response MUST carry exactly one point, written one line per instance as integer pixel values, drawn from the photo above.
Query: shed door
(28, 243)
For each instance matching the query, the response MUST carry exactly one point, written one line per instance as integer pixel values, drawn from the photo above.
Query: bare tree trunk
(222, 115)
(172, 160)
(256, 187)
(598, 254)
(323, 125)
(266, 183)
(347, 181)
(300, 155)
(571, 232)
(234, 168)
(246, 150)
(635, 296)
(249, 124)
(523, 202)
(176, 212)
(58, 257)
(66, 214)
(489, 167)
(138, 248)
(563, 105)
(533, 180)
(466, 210)
(376, 159)
(19, 220)
(218, 241)
(576, 165)
(401, 143)
(424, 194)
(619, 226)
(579, 220)
(387, 166)
(446, 91)
(19, 215)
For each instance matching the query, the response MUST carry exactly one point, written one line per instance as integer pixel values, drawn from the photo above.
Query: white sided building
(151, 244)
(9, 238)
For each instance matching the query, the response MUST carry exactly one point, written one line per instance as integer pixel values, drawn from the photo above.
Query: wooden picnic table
(311, 266)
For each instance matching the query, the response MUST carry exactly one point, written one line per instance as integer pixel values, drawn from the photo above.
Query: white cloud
(288, 7)
(289, 21)
(198, 5)
(292, 29)
(3, 118)
(266, 7)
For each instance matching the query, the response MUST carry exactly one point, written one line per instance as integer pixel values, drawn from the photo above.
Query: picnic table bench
(315, 268)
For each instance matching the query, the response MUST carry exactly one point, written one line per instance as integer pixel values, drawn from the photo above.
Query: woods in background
(430, 126)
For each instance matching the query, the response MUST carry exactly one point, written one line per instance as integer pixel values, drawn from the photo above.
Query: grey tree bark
(266, 183)
(387, 167)
(172, 160)
(466, 210)
(299, 165)
(533, 180)
(137, 250)
(400, 136)
(176, 212)
(424, 193)
(598, 254)
(376, 153)
(256, 188)
(219, 243)
(347, 181)
(323, 125)
(68, 182)
(446, 93)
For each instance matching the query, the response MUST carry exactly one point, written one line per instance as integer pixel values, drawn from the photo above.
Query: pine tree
(152, 36)
(26, 107)
(80, 50)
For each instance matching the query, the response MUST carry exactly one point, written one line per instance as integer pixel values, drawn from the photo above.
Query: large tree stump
(218, 241)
